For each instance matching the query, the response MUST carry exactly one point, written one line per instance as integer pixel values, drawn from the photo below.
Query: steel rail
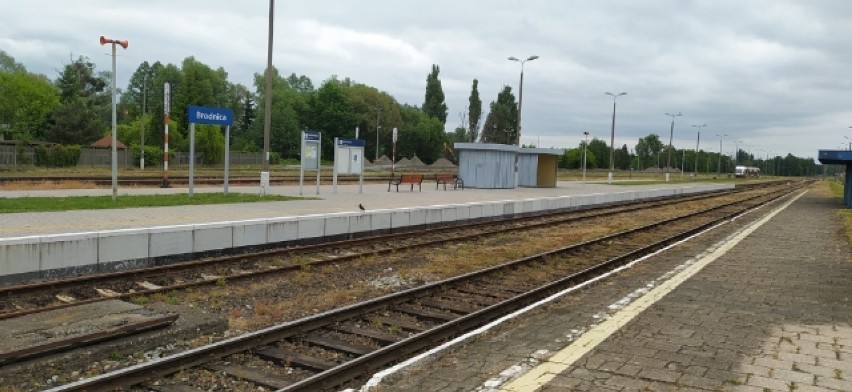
(150, 272)
(336, 376)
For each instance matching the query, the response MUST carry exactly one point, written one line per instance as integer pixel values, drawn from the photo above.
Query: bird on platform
(361, 207)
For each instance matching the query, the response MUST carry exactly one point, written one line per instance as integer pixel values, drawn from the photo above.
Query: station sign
(312, 136)
(213, 116)
(350, 143)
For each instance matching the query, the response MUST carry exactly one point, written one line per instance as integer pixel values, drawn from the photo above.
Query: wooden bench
(446, 178)
(406, 179)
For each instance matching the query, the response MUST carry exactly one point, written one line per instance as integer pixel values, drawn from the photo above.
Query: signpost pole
(191, 157)
(334, 167)
(212, 116)
(227, 155)
(302, 164)
(319, 159)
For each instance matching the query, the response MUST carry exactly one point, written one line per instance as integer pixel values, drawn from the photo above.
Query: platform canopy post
(840, 157)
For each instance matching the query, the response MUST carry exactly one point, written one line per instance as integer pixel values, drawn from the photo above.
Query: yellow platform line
(540, 375)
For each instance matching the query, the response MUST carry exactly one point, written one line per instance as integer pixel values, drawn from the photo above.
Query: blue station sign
(350, 142)
(312, 136)
(214, 116)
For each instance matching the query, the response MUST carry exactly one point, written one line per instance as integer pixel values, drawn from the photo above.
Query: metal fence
(14, 156)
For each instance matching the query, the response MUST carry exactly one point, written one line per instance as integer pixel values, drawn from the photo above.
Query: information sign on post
(310, 157)
(211, 116)
(349, 159)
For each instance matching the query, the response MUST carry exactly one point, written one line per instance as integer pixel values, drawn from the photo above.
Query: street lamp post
(719, 169)
(671, 135)
(520, 95)
(123, 44)
(585, 145)
(612, 136)
(267, 104)
(697, 140)
(520, 103)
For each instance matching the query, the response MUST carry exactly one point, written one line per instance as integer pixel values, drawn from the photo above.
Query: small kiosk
(537, 167)
(487, 166)
(492, 166)
(839, 157)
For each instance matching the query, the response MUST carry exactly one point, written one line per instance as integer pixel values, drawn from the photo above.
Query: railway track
(38, 297)
(338, 347)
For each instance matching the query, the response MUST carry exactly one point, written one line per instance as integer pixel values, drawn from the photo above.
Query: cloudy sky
(773, 75)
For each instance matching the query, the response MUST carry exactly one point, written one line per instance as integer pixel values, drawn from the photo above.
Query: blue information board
(351, 142)
(214, 116)
(312, 136)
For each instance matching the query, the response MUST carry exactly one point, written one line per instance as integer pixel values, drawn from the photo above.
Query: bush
(153, 155)
(57, 156)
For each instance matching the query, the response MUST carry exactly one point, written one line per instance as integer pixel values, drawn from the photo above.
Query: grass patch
(844, 213)
(45, 204)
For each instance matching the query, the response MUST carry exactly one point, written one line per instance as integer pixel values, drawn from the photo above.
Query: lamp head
(532, 58)
(513, 58)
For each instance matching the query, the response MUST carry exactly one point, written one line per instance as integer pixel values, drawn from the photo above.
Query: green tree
(572, 158)
(160, 75)
(434, 105)
(420, 135)
(290, 115)
(621, 158)
(500, 124)
(210, 141)
(648, 150)
(26, 100)
(8, 63)
(246, 101)
(474, 112)
(85, 105)
(331, 113)
(375, 111)
(459, 135)
(600, 150)
(138, 88)
(75, 122)
(301, 84)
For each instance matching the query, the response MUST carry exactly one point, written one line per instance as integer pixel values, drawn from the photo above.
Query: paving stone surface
(772, 314)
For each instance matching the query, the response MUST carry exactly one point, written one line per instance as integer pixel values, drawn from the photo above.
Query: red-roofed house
(106, 142)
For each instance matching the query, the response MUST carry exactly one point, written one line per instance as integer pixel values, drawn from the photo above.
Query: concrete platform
(52, 244)
(752, 306)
